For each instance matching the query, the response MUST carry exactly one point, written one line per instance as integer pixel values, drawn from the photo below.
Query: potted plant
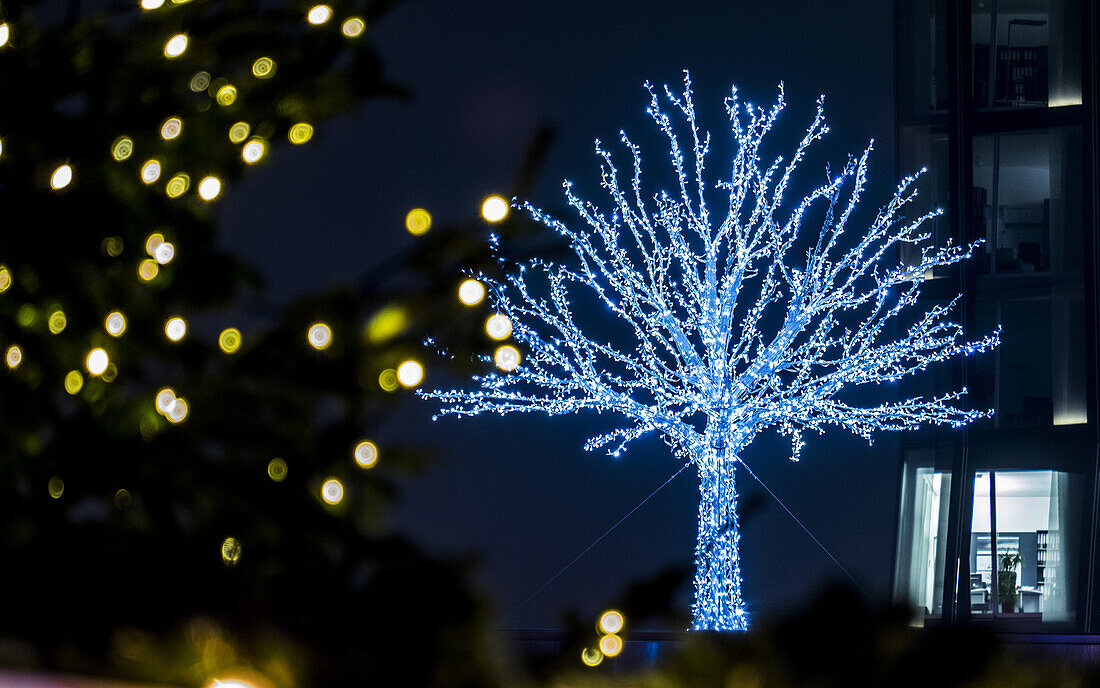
(1006, 581)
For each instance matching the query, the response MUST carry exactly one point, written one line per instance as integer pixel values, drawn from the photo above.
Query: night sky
(519, 493)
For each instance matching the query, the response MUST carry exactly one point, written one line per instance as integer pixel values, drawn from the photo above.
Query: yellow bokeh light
(471, 292)
(611, 621)
(319, 335)
(231, 551)
(611, 645)
(177, 411)
(164, 253)
(410, 373)
(387, 324)
(227, 95)
(300, 133)
(366, 454)
(332, 491)
(277, 470)
(253, 151)
(61, 177)
(152, 242)
(418, 221)
(387, 380)
(56, 321)
(229, 340)
(5, 278)
(175, 328)
(5, 33)
(112, 246)
(178, 185)
(150, 171)
(56, 487)
(176, 45)
(115, 324)
(591, 656)
(498, 326)
(494, 209)
(507, 357)
(122, 148)
(209, 188)
(319, 14)
(148, 269)
(123, 499)
(239, 131)
(165, 398)
(97, 361)
(263, 68)
(172, 127)
(74, 382)
(14, 356)
(200, 81)
(353, 27)
(151, 4)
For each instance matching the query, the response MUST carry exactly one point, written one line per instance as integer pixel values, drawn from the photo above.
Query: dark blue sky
(519, 492)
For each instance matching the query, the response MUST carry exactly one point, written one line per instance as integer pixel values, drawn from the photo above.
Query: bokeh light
(387, 380)
(56, 321)
(494, 209)
(319, 335)
(471, 292)
(172, 127)
(366, 454)
(498, 326)
(611, 621)
(591, 656)
(410, 373)
(231, 551)
(112, 246)
(418, 221)
(150, 171)
(61, 177)
(229, 340)
(239, 131)
(152, 242)
(176, 45)
(277, 470)
(178, 185)
(123, 499)
(122, 148)
(300, 133)
(56, 487)
(165, 398)
(226, 95)
(611, 645)
(507, 357)
(115, 324)
(319, 14)
(209, 188)
(164, 253)
(148, 269)
(175, 328)
(353, 27)
(5, 278)
(177, 410)
(253, 151)
(151, 4)
(97, 361)
(387, 324)
(332, 491)
(5, 33)
(263, 68)
(74, 382)
(200, 81)
(14, 356)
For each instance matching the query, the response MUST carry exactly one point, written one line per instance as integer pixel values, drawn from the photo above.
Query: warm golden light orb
(164, 253)
(300, 133)
(97, 361)
(253, 151)
(263, 68)
(115, 324)
(231, 551)
(165, 398)
(507, 357)
(209, 188)
(591, 656)
(177, 411)
(5, 278)
(387, 380)
(172, 127)
(366, 454)
(176, 45)
(494, 209)
(61, 177)
(175, 328)
(319, 14)
(14, 356)
(57, 321)
(151, 4)
(148, 269)
(229, 340)
(498, 326)
(353, 27)
(178, 185)
(418, 221)
(5, 33)
(611, 621)
(277, 470)
(74, 382)
(122, 148)
(152, 242)
(239, 131)
(332, 491)
(150, 171)
(471, 292)
(410, 373)
(200, 81)
(611, 645)
(226, 95)
(319, 335)
(56, 487)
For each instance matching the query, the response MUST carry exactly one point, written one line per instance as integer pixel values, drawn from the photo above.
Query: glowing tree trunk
(718, 604)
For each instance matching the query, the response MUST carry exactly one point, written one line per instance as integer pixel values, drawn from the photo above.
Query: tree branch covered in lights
(739, 306)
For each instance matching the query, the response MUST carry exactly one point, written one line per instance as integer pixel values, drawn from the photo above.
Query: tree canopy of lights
(742, 306)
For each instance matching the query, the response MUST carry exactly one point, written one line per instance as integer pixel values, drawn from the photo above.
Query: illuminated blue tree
(729, 324)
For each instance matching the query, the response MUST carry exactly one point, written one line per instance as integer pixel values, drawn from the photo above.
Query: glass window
(1026, 53)
(1021, 553)
(922, 538)
(921, 59)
